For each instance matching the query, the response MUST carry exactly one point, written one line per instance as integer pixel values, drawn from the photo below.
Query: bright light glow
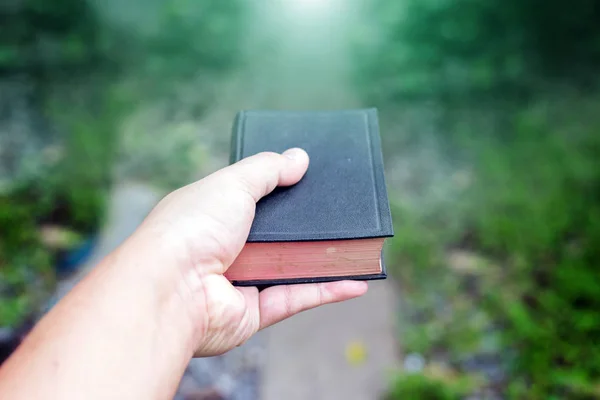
(310, 3)
(312, 6)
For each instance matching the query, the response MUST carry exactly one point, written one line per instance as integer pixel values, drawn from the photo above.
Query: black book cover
(343, 194)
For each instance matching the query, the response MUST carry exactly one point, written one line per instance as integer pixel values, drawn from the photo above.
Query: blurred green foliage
(70, 193)
(51, 39)
(174, 76)
(194, 37)
(502, 265)
(419, 386)
(90, 76)
(469, 48)
(539, 211)
(57, 49)
(26, 274)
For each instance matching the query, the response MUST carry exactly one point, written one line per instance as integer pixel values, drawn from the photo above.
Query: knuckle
(321, 295)
(270, 155)
(247, 186)
(288, 302)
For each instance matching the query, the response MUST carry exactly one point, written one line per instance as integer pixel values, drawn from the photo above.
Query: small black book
(333, 223)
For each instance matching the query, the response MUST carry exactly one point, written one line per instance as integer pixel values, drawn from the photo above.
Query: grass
(507, 269)
(418, 386)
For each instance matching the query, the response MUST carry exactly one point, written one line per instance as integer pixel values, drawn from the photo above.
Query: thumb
(260, 174)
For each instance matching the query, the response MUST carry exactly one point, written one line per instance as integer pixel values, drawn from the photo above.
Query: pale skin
(130, 328)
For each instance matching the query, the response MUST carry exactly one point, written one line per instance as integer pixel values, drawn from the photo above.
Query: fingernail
(293, 154)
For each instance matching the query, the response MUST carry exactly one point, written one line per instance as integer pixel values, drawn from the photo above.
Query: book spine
(383, 206)
(235, 151)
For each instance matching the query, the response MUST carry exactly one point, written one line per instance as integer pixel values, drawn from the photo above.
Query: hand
(161, 297)
(197, 232)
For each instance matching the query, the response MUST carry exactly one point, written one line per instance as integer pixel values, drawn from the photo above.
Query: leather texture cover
(343, 194)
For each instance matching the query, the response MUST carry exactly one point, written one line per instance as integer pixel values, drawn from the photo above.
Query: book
(333, 223)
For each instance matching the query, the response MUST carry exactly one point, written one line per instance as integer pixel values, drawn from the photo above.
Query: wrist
(155, 272)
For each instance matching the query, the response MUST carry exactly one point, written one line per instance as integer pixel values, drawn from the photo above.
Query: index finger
(281, 302)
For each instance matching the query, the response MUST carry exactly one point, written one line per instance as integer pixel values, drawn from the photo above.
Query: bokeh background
(490, 121)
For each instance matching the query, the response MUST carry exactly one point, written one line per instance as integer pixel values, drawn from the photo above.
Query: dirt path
(306, 356)
(307, 68)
